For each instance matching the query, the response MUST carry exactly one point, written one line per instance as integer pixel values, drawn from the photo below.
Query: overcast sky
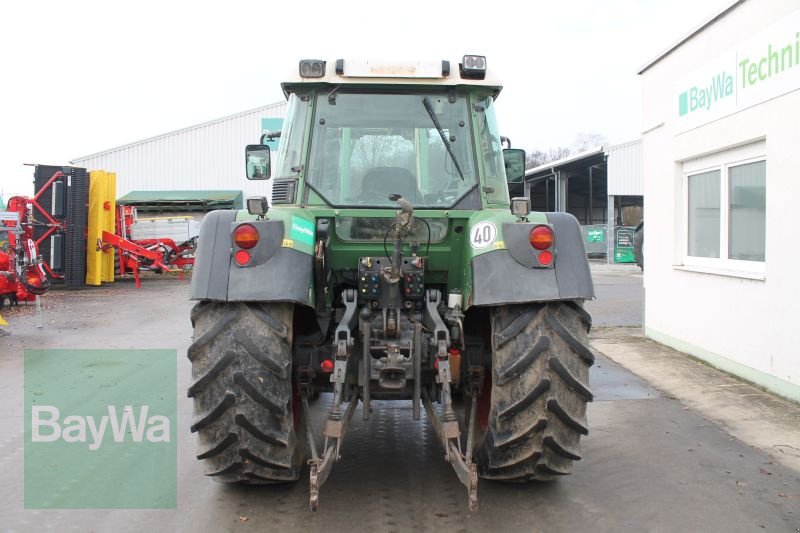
(81, 77)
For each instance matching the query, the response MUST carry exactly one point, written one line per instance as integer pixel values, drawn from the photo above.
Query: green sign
(596, 235)
(624, 256)
(302, 230)
(623, 246)
(271, 125)
(100, 429)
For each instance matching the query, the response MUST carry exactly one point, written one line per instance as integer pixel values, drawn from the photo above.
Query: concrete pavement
(673, 445)
(748, 413)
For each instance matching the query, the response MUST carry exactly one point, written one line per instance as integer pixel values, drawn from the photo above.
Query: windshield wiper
(432, 114)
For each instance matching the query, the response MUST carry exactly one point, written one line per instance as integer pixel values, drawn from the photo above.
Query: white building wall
(743, 325)
(625, 169)
(207, 156)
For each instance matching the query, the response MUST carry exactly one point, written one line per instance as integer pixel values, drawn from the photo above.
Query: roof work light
(473, 67)
(312, 68)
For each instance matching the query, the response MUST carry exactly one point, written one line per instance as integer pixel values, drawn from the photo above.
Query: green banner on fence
(596, 235)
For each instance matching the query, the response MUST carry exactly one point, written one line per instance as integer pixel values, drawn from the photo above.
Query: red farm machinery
(159, 245)
(23, 273)
(69, 231)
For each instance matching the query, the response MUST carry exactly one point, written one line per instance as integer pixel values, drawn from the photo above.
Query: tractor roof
(366, 73)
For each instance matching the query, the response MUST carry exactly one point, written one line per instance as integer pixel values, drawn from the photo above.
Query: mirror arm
(269, 136)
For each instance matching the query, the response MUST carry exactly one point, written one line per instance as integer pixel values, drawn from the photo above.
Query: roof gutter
(718, 15)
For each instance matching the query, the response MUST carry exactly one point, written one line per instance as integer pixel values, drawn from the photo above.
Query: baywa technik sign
(763, 67)
(100, 429)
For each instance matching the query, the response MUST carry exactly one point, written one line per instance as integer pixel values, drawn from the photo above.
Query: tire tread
(539, 393)
(242, 393)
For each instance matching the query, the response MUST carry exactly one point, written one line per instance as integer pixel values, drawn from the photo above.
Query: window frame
(722, 162)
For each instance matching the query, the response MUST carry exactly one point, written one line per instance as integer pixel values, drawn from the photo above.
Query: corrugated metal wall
(206, 156)
(626, 169)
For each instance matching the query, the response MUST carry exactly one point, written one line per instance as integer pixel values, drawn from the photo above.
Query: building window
(726, 210)
(747, 201)
(704, 214)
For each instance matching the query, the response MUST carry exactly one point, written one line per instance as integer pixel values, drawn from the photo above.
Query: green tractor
(391, 265)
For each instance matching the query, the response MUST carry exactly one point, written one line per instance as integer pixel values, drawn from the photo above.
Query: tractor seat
(380, 182)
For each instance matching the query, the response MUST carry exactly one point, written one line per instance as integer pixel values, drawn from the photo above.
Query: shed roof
(575, 158)
(183, 200)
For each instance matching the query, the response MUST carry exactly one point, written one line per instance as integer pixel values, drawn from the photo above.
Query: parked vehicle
(392, 265)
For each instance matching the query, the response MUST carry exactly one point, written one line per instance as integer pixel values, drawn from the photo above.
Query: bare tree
(584, 141)
(535, 158)
(541, 157)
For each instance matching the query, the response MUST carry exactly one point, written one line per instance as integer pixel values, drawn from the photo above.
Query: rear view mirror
(257, 161)
(515, 164)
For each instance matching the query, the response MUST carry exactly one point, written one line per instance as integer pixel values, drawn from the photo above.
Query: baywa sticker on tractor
(302, 230)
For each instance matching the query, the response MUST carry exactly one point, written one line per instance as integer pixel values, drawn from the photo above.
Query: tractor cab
(361, 131)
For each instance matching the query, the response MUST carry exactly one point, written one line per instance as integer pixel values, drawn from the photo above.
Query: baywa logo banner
(764, 66)
(100, 429)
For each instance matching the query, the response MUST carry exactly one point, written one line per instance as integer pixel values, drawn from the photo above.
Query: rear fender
(275, 273)
(511, 275)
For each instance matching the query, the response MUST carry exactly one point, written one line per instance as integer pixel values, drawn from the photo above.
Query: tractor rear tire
(535, 410)
(246, 411)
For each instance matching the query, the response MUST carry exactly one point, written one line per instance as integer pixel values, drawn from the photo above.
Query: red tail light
(327, 366)
(541, 237)
(242, 257)
(245, 236)
(545, 258)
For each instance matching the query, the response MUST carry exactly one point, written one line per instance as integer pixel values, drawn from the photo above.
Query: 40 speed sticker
(482, 235)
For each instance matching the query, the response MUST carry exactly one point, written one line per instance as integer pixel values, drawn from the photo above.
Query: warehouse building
(721, 160)
(603, 187)
(205, 157)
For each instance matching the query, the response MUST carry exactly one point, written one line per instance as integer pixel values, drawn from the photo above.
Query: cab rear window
(377, 228)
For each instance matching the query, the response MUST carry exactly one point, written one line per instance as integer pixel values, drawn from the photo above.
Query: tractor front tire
(535, 409)
(246, 412)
